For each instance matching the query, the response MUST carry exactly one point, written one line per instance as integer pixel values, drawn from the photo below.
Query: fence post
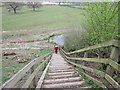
(110, 70)
(114, 56)
(34, 80)
(85, 56)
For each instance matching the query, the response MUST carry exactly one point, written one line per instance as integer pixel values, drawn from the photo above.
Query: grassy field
(28, 25)
(45, 17)
(10, 66)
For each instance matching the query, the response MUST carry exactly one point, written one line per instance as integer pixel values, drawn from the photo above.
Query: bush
(101, 25)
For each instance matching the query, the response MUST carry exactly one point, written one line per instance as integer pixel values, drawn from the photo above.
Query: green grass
(11, 66)
(89, 81)
(39, 52)
(46, 17)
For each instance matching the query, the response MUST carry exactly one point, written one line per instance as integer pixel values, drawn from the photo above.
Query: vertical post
(114, 56)
(75, 60)
(85, 56)
(34, 80)
(110, 70)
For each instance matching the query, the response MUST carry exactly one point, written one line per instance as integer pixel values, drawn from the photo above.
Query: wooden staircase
(62, 75)
(53, 71)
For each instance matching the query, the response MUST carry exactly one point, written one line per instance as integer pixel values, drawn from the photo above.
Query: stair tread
(62, 80)
(61, 73)
(65, 84)
(63, 76)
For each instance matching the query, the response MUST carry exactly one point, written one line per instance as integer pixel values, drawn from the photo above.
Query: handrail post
(114, 56)
(85, 56)
(75, 55)
(34, 80)
(110, 70)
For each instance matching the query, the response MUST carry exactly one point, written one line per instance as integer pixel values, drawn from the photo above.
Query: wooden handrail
(31, 77)
(12, 81)
(111, 62)
(115, 43)
(42, 78)
(98, 72)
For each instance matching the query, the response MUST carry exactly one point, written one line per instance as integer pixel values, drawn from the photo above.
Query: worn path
(62, 75)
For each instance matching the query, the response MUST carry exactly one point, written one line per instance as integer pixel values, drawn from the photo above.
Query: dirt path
(62, 75)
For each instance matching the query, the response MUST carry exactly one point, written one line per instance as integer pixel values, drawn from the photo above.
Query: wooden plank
(114, 56)
(112, 81)
(116, 43)
(114, 64)
(34, 80)
(104, 44)
(99, 83)
(105, 61)
(12, 81)
(42, 77)
(31, 77)
(95, 71)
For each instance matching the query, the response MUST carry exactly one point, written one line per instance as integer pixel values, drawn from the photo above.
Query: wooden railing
(103, 78)
(43, 60)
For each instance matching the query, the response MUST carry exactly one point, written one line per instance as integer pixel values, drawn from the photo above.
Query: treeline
(101, 25)
(14, 6)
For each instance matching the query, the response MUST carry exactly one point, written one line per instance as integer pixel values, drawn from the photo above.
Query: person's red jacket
(55, 48)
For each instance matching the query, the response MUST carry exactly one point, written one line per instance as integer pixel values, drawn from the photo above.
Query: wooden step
(60, 67)
(63, 76)
(70, 79)
(60, 73)
(63, 85)
(86, 87)
(62, 70)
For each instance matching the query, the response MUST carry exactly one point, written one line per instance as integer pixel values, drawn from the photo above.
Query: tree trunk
(14, 10)
(33, 8)
(59, 3)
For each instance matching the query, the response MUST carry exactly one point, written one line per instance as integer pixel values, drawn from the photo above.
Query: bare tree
(13, 6)
(34, 5)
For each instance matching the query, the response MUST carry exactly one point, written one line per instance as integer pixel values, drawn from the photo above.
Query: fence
(105, 78)
(44, 60)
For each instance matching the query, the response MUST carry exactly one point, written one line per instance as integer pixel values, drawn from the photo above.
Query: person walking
(56, 49)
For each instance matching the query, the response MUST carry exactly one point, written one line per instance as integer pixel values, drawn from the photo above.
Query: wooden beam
(12, 81)
(112, 81)
(34, 79)
(99, 83)
(104, 44)
(42, 78)
(102, 60)
(31, 77)
(95, 71)
(114, 57)
(114, 64)
(109, 61)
